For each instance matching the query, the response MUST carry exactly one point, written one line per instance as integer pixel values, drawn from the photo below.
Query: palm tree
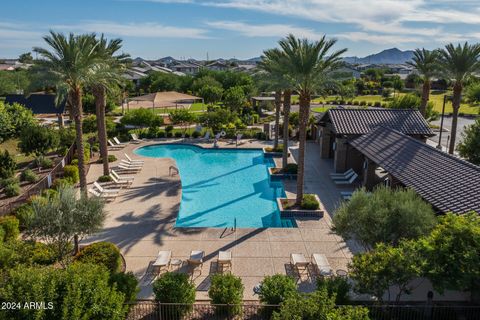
(306, 65)
(426, 63)
(459, 63)
(69, 64)
(272, 64)
(108, 74)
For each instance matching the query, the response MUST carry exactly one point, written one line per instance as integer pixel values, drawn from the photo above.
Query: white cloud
(379, 38)
(264, 30)
(144, 30)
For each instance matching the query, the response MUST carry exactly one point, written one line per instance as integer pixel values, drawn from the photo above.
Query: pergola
(164, 100)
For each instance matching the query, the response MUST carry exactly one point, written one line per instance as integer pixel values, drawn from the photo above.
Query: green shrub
(375, 92)
(377, 104)
(226, 289)
(161, 134)
(363, 103)
(80, 291)
(338, 287)
(49, 193)
(10, 226)
(195, 134)
(7, 165)
(96, 147)
(178, 134)
(71, 172)
(261, 136)
(25, 215)
(291, 168)
(44, 162)
(86, 152)
(370, 104)
(38, 140)
(104, 179)
(6, 182)
(2, 237)
(169, 134)
(169, 128)
(28, 175)
(103, 253)
(74, 162)
(42, 254)
(175, 288)
(365, 92)
(187, 135)
(66, 136)
(112, 158)
(126, 283)
(62, 183)
(12, 190)
(309, 202)
(142, 118)
(355, 103)
(275, 289)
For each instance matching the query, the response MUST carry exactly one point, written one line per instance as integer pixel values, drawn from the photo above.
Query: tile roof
(362, 121)
(446, 182)
(39, 103)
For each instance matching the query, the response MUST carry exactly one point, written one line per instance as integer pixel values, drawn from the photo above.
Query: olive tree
(383, 216)
(61, 219)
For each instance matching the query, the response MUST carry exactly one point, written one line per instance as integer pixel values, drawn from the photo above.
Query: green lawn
(11, 146)
(436, 98)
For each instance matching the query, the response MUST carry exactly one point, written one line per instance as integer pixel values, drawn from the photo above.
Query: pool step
(287, 223)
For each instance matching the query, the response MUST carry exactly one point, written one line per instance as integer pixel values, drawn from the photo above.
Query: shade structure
(164, 99)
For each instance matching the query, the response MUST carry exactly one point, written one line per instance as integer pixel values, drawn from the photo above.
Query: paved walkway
(141, 223)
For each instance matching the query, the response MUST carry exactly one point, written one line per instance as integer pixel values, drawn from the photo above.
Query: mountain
(389, 56)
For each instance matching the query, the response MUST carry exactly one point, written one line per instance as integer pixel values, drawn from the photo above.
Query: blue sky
(241, 28)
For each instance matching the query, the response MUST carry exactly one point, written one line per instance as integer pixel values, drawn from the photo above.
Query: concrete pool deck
(141, 223)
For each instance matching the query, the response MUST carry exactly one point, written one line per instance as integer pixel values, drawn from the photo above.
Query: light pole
(439, 146)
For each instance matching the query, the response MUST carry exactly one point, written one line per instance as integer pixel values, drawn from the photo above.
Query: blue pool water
(221, 185)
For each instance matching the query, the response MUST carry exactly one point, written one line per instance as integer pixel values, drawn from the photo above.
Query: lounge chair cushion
(299, 259)
(224, 256)
(163, 258)
(196, 256)
(320, 260)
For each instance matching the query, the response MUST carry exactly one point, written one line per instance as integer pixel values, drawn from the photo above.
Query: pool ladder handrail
(173, 168)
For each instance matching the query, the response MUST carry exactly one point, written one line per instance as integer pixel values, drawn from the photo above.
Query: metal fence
(41, 185)
(151, 310)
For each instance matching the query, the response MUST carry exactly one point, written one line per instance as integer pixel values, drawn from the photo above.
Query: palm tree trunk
(99, 94)
(457, 93)
(425, 97)
(77, 115)
(278, 103)
(287, 97)
(302, 137)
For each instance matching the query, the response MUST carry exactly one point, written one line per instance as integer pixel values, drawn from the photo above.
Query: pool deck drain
(141, 223)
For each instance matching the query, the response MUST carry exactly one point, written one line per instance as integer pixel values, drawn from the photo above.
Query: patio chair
(115, 139)
(135, 138)
(120, 183)
(196, 259)
(346, 195)
(299, 261)
(346, 177)
(162, 261)
(114, 146)
(133, 160)
(349, 181)
(103, 190)
(344, 174)
(206, 137)
(321, 264)
(106, 196)
(122, 177)
(131, 164)
(238, 139)
(124, 167)
(224, 260)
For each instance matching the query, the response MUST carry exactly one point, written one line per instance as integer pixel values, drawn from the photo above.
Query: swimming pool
(221, 186)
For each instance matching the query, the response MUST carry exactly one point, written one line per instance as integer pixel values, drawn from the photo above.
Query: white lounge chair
(162, 261)
(135, 138)
(115, 139)
(106, 196)
(196, 259)
(224, 260)
(321, 264)
(349, 181)
(131, 164)
(114, 146)
(344, 174)
(120, 183)
(346, 177)
(207, 136)
(299, 261)
(124, 167)
(133, 160)
(238, 139)
(122, 177)
(103, 190)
